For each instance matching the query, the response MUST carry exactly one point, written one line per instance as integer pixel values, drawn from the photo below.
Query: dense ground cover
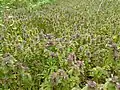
(64, 45)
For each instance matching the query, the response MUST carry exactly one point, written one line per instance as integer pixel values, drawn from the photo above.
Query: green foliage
(21, 3)
(66, 45)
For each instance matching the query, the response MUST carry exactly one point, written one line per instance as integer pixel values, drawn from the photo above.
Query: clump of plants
(66, 45)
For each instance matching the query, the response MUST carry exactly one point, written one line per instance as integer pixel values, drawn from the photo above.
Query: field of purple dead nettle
(67, 45)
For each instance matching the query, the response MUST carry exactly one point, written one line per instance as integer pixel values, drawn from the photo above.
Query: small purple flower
(114, 79)
(118, 86)
(50, 43)
(91, 84)
(71, 57)
(52, 54)
(62, 73)
(48, 36)
(80, 63)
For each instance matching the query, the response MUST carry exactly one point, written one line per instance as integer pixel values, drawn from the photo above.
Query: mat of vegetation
(65, 45)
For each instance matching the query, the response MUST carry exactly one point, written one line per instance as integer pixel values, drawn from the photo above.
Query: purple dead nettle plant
(62, 74)
(91, 84)
(48, 36)
(80, 63)
(50, 43)
(113, 78)
(54, 78)
(20, 66)
(52, 54)
(8, 59)
(118, 86)
(115, 51)
(114, 47)
(71, 58)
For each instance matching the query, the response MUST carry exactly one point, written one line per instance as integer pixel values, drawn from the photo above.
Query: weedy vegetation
(59, 44)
